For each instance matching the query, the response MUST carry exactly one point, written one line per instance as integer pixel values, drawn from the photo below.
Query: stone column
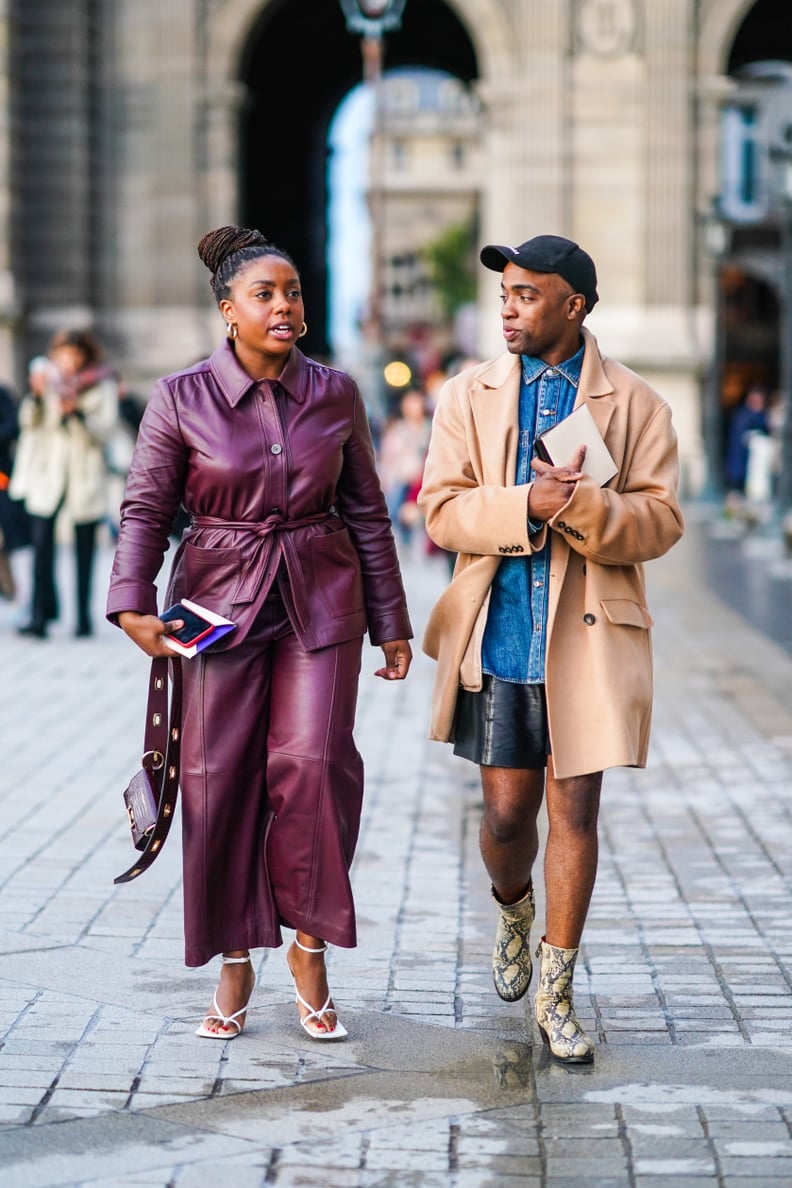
(670, 188)
(157, 220)
(677, 362)
(634, 193)
(526, 188)
(222, 104)
(52, 194)
(608, 105)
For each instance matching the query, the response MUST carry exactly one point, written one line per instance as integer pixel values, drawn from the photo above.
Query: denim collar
(533, 368)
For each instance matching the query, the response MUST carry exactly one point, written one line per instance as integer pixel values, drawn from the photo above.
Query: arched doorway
(298, 63)
(752, 341)
(765, 34)
(751, 369)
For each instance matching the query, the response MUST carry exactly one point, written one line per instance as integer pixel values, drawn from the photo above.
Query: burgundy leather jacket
(274, 475)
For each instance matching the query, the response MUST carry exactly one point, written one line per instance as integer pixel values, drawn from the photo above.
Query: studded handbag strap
(162, 743)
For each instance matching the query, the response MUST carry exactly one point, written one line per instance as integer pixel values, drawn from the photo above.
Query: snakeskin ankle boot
(555, 1014)
(511, 957)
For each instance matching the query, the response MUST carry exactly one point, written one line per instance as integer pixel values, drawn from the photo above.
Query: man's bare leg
(509, 843)
(509, 837)
(570, 871)
(571, 854)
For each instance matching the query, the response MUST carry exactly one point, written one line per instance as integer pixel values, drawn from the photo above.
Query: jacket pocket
(210, 576)
(624, 612)
(335, 567)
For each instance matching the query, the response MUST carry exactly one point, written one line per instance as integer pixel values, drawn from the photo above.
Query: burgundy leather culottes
(272, 788)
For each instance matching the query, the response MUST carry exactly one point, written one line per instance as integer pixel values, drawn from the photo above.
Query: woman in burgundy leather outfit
(289, 537)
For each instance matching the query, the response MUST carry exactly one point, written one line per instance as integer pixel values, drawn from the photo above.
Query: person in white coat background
(66, 420)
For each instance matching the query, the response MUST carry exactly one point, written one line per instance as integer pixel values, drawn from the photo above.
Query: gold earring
(233, 329)
(304, 330)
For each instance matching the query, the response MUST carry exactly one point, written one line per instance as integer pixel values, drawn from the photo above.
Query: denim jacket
(513, 648)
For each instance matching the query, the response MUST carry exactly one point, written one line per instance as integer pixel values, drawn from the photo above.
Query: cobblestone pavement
(684, 978)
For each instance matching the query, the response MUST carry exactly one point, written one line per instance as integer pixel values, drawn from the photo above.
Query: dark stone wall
(54, 52)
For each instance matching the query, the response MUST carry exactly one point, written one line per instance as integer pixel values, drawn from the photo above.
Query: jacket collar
(570, 369)
(593, 380)
(235, 382)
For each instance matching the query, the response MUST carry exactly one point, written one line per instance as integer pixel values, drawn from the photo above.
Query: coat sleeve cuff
(140, 597)
(394, 627)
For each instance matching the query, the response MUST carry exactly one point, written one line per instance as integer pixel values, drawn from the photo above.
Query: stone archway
(476, 43)
(718, 30)
(230, 26)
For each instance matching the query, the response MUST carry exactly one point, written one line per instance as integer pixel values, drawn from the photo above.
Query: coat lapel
(494, 403)
(595, 389)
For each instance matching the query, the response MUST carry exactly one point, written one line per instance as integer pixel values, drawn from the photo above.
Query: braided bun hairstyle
(226, 249)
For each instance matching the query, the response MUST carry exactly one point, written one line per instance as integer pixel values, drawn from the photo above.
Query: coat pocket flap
(626, 613)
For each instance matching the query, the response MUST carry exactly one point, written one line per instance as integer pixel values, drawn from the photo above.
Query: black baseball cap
(548, 253)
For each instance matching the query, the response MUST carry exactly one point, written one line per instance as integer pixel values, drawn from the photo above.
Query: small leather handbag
(150, 798)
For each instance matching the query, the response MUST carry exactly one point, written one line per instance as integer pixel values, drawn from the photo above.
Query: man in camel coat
(542, 640)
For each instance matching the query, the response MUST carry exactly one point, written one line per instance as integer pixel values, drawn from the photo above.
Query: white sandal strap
(226, 1019)
(305, 948)
(235, 960)
(312, 1014)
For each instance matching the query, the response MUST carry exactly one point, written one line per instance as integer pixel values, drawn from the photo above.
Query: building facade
(129, 128)
(425, 180)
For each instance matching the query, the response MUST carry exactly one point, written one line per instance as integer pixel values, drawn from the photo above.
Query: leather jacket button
(589, 620)
(561, 524)
(276, 449)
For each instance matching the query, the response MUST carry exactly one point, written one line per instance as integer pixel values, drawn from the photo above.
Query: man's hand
(148, 632)
(553, 486)
(398, 655)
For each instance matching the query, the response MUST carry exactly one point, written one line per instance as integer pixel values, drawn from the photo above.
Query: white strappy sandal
(312, 1021)
(226, 1020)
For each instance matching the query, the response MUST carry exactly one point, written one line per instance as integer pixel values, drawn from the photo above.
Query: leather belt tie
(264, 530)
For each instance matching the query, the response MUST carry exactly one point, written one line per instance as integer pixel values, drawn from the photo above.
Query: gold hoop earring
(233, 329)
(304, 330)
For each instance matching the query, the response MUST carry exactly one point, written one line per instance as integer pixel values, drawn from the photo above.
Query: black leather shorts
(505, 725)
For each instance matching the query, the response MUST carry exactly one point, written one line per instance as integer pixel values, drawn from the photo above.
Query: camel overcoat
(598, 673)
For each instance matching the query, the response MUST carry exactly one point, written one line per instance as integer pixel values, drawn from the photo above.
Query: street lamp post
(372, 18)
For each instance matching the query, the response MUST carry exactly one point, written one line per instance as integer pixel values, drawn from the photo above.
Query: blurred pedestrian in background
(402, 453)
(13, 528)
(750, 416)
(66, 420)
